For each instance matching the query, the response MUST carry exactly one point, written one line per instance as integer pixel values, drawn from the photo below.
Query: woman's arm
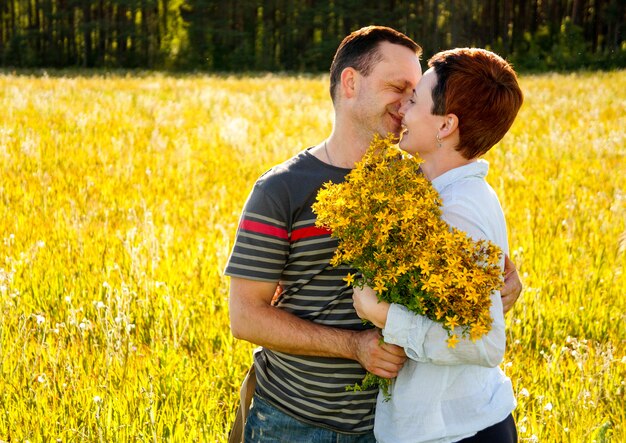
(426, 340)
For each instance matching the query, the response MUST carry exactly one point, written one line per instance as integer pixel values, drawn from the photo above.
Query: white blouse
(446, 394)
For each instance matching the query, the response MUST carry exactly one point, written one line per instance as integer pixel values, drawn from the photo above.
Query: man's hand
(253, 318)
(512, 285)
(378, 357)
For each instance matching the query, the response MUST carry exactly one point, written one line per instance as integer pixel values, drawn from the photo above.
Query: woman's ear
(349, 82)
(449, 125)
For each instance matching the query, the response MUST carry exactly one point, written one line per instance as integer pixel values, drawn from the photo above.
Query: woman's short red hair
(481, 89)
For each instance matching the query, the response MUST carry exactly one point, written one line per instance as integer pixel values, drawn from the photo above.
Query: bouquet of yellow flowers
(387, 217)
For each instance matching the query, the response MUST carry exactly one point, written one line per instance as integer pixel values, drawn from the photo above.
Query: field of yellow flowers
(119, 199)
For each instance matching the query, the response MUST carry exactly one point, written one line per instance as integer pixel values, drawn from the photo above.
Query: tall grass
(119, 198)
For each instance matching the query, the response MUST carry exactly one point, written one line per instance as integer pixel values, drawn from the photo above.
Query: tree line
(300, 35)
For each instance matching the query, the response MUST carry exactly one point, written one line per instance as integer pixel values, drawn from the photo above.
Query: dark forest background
(301, 35)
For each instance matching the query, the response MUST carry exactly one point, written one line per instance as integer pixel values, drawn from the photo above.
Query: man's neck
(347, 146)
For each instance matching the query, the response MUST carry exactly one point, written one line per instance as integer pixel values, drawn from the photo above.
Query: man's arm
(254, 319)
(512, 285)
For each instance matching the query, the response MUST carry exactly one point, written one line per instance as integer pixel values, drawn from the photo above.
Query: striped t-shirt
(277, 241)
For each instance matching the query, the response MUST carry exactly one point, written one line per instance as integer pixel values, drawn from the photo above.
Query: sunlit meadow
(119, 199)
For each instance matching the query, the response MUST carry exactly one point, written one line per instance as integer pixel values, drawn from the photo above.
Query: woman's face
(421, 125)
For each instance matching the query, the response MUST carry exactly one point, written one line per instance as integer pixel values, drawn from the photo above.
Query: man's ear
(449, 124)
(349, 80)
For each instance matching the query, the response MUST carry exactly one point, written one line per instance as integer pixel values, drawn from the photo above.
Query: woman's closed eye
(413, 98)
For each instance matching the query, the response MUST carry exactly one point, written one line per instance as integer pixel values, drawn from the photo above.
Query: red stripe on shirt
(263, 228)
(311, 231)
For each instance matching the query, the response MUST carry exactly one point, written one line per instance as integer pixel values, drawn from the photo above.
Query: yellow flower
(433, 283)
(478, 330)
(471, 294)
(379, 286)
(452, 321)
(387, 218)
(401, 269)
(349, 279)
(336, 260)
(424, 265)
(439, 313)
(386, 226)
(380, 197)
(452, 341)
(382, 215)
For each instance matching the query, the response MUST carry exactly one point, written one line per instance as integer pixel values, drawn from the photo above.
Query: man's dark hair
(359, 50)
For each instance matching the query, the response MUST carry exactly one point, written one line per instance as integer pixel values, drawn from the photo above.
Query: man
(313, 343)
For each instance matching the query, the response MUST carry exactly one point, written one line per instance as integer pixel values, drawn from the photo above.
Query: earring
(438, 141)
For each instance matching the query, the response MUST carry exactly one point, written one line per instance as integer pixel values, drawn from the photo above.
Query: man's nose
(403, 107)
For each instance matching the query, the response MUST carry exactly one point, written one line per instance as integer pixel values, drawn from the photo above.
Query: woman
(463, 105)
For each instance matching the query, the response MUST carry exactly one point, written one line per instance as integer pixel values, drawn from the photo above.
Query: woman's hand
(368, 307)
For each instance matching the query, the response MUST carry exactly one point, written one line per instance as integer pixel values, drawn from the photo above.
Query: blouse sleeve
(425, 340)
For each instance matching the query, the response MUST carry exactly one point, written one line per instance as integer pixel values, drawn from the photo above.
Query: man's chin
(396, 133)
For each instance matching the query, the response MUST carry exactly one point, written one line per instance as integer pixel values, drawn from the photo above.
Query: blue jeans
(266, 424)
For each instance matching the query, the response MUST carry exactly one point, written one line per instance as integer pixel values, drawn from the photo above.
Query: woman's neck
(441, 161)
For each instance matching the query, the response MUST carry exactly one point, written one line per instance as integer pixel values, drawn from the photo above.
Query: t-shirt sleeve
(262, 241)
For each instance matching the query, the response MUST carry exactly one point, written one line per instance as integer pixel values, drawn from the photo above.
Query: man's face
(381, 93)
